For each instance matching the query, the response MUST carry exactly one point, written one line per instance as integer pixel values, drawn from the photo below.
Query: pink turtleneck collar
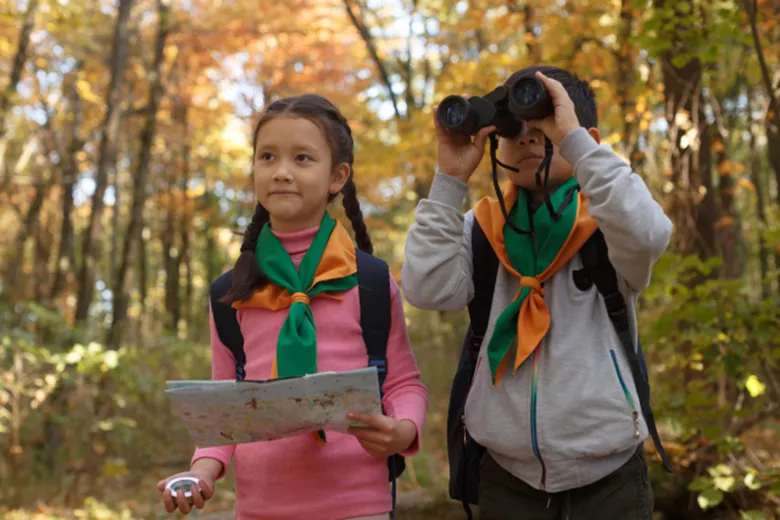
(297, 242)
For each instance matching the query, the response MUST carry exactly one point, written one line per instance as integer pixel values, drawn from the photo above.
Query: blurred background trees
(124, 185)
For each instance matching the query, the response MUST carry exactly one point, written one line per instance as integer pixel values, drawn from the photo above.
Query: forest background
(124, 186)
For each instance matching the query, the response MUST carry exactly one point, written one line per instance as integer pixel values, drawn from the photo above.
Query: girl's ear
(339, 177)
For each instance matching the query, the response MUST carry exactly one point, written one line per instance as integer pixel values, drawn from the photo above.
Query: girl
(303, 155)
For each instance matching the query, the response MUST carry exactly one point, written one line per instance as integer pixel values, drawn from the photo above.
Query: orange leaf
(725, 168)
(724, 221)
(744, 183)
(718, 146)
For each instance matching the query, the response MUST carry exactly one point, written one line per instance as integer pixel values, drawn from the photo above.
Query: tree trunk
(532, 42)
(761, 199)
(43, 239)
(772, 86)
(116, 211)
(92, 246)
(693, 209)
(729, 225)
(135, 227)
(13, 275)
(185, 220)
(64, 264)
(6, 97)
(625, 80)
(172, 256)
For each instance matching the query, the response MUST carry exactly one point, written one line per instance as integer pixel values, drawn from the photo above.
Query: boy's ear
(594, 133)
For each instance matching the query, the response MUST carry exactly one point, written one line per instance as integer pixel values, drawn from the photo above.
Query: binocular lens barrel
(455, 113)
(529, 99)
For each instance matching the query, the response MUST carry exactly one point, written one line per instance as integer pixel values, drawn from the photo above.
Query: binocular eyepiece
(506, 107)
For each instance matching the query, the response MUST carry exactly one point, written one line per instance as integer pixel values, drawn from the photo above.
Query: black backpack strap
(485, 270)
(227, 324)
(374, 291)
(602, 273)
(375, 319)
(465, 453)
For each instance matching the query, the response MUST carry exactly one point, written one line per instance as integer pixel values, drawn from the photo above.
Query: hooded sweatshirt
(565, 419)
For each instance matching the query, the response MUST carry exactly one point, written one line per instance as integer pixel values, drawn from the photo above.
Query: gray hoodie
(585, 426)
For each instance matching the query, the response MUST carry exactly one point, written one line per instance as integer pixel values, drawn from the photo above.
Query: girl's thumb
(161, 485)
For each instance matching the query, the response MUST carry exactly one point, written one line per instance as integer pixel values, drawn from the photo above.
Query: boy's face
(525, 152)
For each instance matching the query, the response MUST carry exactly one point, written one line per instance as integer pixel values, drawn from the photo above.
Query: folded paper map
(225, 412)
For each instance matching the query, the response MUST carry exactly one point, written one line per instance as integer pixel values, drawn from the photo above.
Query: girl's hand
(204, 471)
(383, 435)
(459, 156)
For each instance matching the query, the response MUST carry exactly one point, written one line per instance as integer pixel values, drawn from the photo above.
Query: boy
(553, 400)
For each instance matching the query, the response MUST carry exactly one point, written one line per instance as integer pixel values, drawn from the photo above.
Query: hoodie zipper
(535, 373)
(534, 436)
(629, 399)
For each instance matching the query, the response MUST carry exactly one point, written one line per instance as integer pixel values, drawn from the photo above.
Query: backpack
(374, 292)
(464, 452)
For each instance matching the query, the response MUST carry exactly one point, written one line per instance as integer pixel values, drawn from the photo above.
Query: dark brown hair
(247, 275)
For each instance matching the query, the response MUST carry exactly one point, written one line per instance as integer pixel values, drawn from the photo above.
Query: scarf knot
(532, 283)
(300, 297)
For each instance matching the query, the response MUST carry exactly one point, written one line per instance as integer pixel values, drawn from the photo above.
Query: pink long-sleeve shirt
(296, 478)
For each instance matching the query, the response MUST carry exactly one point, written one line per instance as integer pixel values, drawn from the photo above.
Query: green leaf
(725, 483)
(710, 498)
(700, 484)
(752, 482)
(720, 470)
(751, 515)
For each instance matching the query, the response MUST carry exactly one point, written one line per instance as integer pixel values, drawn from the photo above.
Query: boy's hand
(459, 156)
(384, 436)
(564, 119)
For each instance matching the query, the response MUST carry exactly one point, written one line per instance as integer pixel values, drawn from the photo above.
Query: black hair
(579, 91)
(247, 275)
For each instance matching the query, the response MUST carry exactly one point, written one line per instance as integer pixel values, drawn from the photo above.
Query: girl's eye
(266, 156)
(302, 157)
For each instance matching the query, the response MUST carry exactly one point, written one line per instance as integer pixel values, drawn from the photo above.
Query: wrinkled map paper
(218, 413)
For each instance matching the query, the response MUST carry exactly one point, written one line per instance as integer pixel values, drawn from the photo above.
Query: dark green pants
(624, 495)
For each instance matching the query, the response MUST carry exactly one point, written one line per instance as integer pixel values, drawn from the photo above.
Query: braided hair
(247, 274)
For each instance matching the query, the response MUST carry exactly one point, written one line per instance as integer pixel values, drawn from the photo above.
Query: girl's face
(294, 173)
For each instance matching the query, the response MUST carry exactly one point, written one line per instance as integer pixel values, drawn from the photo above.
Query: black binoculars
(506, 107)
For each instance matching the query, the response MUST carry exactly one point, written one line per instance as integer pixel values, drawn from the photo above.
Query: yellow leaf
(85, 91)
(754, 386)
(739, 168)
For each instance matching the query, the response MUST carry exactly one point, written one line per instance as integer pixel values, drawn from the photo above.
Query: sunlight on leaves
(754, 386)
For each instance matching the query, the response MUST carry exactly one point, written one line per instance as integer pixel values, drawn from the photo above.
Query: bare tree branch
(368, 39)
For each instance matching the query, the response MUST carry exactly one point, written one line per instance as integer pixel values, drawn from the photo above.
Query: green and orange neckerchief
(558, 240)
(329, 266)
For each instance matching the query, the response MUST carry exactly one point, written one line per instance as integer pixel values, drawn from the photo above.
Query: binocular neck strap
(500, 196)
(544, 166)
(548, 154)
